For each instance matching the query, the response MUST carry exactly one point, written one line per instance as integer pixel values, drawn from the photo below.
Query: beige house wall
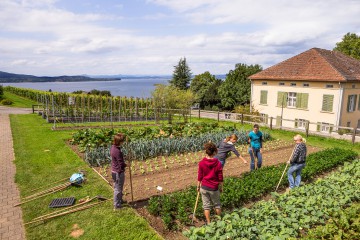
(314, 113)
(350, 118)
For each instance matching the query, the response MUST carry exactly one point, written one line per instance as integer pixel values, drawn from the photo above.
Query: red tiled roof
(314, 65)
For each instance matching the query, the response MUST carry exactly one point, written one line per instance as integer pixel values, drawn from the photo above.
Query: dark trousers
(119, 179)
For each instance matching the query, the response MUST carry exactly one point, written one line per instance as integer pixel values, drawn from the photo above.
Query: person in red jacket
(210, 178)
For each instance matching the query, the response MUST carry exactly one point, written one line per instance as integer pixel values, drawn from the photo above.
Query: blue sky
(141, 37)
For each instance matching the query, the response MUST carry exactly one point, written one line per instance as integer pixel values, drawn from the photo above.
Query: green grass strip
(42, 157)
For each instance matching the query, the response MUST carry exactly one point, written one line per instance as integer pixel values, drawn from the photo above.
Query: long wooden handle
(196, 203)
(285, 169)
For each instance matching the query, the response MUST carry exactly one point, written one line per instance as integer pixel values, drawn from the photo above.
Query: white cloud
(38, 38)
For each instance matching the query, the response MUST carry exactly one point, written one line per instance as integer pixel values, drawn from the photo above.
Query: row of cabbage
(290, 215)
(176, 207)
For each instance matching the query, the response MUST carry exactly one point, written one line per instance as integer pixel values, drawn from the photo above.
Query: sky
(149, 37)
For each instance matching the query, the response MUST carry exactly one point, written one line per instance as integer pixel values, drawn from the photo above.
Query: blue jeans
(297, 169)
(255, 153)
(119, 179)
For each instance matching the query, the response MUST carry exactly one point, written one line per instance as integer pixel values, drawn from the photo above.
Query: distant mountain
(12, 77)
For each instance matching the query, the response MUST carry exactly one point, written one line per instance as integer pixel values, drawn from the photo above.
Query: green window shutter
(298, 100)
(304, 100)
(348, 104)
(278, 119)
(296, 122)
(281, 99)
(318, 126)
(263, 97)
(359, 103)
(328, 102)
(355, 100)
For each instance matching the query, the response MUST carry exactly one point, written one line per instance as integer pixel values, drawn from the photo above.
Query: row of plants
(250, 186)
(287, 215)
(92, 138)
(86, 107)
(144, 149)
(343, 224)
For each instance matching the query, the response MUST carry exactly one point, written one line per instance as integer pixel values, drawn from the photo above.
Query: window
(263, 97)
(327, 103)
(264, 83)
(325, 127)
(291, 99)
(348, 124)
(358, 126)
(306, 85)
(329, 86)
(264, 117)
(300, 123)
(281, 83)
(293, 84)
(351, 103)
(353, 86)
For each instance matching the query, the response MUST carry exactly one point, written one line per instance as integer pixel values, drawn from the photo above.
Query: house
(317, 87)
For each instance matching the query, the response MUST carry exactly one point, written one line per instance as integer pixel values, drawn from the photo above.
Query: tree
(170, 97)
(350, 45)
(181, 75)
(205, 87)
(236, 89)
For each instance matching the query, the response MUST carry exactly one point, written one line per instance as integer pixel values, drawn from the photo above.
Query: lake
(129, 87)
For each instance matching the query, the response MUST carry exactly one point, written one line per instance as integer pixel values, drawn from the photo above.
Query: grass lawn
(18, 101)
(42, 157)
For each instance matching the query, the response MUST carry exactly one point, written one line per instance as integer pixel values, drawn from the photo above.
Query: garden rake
(284, 170)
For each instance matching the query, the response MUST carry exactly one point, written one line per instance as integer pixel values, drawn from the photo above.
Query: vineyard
(58, 107)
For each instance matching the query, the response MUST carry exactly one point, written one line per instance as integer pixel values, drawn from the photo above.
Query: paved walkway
(11, 223)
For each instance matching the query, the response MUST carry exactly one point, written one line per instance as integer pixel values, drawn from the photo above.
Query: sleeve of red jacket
(220, 173)
(200, 173)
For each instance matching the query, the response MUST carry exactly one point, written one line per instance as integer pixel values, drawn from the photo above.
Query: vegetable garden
(59, 107)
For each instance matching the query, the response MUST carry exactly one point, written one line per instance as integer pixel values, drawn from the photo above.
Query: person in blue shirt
(255, 150)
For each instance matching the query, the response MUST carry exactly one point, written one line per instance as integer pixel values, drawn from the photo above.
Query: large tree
(350, 45)
(236, 89)
(205, 87)
(181, 75)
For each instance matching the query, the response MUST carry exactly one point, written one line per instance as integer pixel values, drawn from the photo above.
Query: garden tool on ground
(76, 179)
(71, 209)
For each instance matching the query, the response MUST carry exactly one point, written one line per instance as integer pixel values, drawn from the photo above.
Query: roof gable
(314, 65)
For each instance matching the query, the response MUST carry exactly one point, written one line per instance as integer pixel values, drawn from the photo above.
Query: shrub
(6, 102)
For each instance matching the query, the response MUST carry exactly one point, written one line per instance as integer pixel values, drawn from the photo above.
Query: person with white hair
(297, 162)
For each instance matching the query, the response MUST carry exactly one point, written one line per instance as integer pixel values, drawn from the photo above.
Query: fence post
(218, 116)
(199, 112)
(353, 136)
(271, 120)
(307, 128)
(242, 119)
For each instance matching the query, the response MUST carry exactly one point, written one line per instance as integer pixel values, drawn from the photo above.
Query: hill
(12, 77)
